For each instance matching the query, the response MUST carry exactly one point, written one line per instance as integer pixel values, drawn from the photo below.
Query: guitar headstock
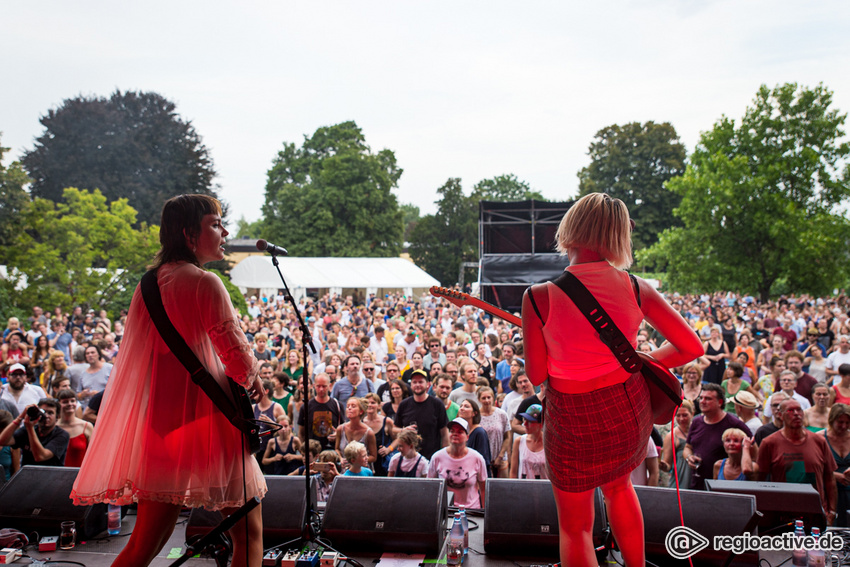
(457, 298)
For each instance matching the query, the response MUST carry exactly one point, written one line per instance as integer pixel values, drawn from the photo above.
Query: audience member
(794, 454)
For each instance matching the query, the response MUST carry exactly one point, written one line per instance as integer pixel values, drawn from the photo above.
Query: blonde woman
(585, 380)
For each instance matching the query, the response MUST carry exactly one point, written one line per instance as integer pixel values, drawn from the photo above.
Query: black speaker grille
(37, 498)
(390, 514)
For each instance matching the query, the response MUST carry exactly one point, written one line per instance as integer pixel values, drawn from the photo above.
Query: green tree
(440, 242)
(762, 201)
(245, 229)
(632, 162)
(131, 145)
(410, 216)
(14, 200)
(504, 188)
(334, 197)
(80, 251)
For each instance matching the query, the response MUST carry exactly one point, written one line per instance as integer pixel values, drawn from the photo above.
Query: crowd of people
(404, 386)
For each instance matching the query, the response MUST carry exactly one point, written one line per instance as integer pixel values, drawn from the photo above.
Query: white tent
(344, 276)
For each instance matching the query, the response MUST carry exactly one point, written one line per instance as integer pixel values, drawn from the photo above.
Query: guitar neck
(460, 299)
(495, 311)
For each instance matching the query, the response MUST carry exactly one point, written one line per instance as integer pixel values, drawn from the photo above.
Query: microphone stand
(309, 536)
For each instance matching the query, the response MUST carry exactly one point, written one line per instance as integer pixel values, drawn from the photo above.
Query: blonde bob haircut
(600, 223)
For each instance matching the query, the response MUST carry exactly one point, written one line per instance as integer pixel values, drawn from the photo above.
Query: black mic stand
(309, 536)
(217, 537)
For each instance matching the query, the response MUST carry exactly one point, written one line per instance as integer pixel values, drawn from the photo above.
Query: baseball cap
(461, 422)
(534, 413)
(419, 372)
(17, 368)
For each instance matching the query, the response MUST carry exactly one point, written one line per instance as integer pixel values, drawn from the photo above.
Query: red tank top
(575, 352)
(839, 399)
(76, 451)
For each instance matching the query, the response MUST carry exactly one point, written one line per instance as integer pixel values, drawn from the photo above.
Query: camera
(35, 413)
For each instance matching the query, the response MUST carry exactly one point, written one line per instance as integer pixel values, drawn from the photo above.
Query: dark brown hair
(181, 217)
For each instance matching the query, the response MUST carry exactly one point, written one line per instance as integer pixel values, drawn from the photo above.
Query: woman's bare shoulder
(540, 293)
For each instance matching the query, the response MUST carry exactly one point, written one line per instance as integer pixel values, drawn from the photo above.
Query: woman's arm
(534, 345)
(338, 436)
(278, 412)
(514, 472)
(267, 455)
(371, 445)
(652, 471)
(665, 463)
(390, 429)
(224, 329)
(749, 456)
(506, 445)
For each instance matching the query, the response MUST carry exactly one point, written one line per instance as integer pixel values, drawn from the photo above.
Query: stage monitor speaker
(386, 514)
(709, 514)
(779, 502)
(520, 519)
(283, 512)
(37, 499)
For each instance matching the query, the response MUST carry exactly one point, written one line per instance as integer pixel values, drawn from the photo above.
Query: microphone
(262, 245)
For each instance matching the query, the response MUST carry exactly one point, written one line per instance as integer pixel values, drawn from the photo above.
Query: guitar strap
(608, 331)
(175, 342)
(534, 304)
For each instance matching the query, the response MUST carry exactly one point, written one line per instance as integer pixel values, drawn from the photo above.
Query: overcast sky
(468, 89)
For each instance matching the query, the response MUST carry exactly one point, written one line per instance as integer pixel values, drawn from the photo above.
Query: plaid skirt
(593, 438)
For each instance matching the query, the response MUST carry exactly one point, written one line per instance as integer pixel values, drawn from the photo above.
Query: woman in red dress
(159, 440)
(597, 415)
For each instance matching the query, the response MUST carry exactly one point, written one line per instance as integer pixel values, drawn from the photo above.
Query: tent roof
(259, 272)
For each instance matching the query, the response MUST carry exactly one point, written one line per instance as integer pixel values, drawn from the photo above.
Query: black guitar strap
(608, 331)
(174, 341)
(534, 304)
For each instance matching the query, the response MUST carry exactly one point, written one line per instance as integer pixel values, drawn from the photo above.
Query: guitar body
(665, 391)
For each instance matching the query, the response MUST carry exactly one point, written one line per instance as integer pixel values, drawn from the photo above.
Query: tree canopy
(504, 188)
(14, 200)
(131, 145)
(81, 251)
(632, 162)
(762, 200)
(334, 197)
(440, 242)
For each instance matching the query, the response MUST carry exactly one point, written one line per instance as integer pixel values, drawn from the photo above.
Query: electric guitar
(664, 398)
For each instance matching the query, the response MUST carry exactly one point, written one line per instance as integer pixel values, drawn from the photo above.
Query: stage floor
(102, 550)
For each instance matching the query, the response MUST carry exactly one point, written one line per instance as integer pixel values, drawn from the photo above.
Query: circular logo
(682, 542)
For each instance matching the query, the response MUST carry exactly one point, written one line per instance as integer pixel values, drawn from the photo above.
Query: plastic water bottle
(113, 520)
(798, 556)
(454, 554)
(465, 524)
(817, 557)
